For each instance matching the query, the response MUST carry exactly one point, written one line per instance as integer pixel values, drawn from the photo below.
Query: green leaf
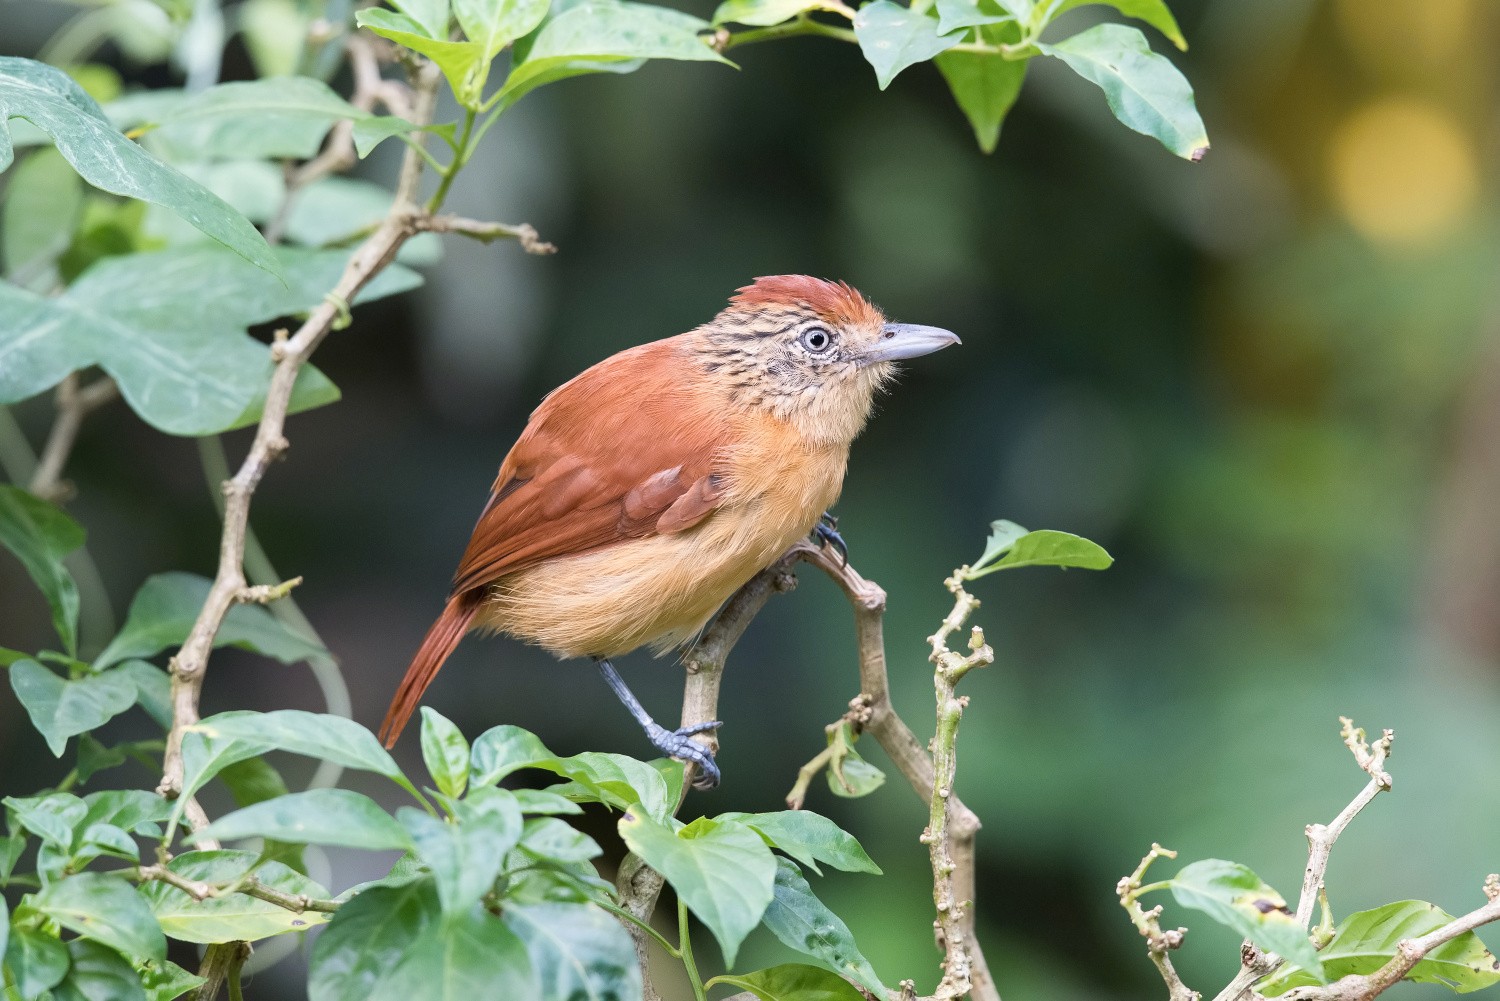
(985, 86)
(1003, 536)
(153, 690)
(1367, 940)
(1236, 897)
(955, 14)
(317, 735)
(1145, 91)
(315, 817)
(615, 779)
(808, 838)
(37, 961)
(803, 922)
(722, 870)
(277, 117)
(106, 909)
(501, 750)
(445, 752)
(367, 938)
(130, 809)
(371, 132)
(852, 777)
(431, 15)
(542, 801)
(792, 982)
(893, 37)
(605, 36)
(4, 927)
(98, 973)
(471, 955)
(181, 354)
(460, 61)
(550, 838)
(253, 781)
(163, 611)
(61, 709)
(43, 202)
(579, 952)
(52, 101)
(205, 755)
(94, 757)
(234, 916)
(40, 536)
(51, 818)
(166, 981)
(1046, 549)
(1153, 12)
(465, 857)
(494, 24)
(763, 13)
(106, 839)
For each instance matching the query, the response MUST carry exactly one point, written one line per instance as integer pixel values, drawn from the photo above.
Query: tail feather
(441, 640)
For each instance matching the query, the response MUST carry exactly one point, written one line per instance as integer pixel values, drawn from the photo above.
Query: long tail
(440, 641)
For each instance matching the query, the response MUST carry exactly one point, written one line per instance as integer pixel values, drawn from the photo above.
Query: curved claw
(827, 532)
(679, 744)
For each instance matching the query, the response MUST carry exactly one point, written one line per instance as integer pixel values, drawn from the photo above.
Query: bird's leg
(827, 530)
(673, 743)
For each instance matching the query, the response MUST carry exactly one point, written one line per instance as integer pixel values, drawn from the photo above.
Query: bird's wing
(625, 450)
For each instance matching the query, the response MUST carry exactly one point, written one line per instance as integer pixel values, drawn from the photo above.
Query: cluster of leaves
(1363, 942)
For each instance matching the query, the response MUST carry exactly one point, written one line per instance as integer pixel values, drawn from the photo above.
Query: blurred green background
(1268, 383)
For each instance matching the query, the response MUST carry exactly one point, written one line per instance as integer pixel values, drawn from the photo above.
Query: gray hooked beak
(899, 341)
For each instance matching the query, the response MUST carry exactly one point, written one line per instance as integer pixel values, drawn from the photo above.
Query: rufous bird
(645, 491)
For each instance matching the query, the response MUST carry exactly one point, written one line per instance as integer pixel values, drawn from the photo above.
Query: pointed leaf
(955, 14)
(367, 938)
(792, 982)
(54, 103)
(1367, 940)
(52, 818)
(430, 15)
(465, 857)
(1048, 549)
(97, 973)
(106, 909)
(803, 922)
(985, 86)
(1236, 897)
(166, 981)
(1144, 90)
(722, 870)
(317, 735)
(763, 13)
(61, 709)
(40, 535)
(893, 37)
(445, 752)
(579, 952)
(1153, 12)
(550, 838)
(234, 916)
(459, 61)
(809, 838)
(276, 117)
(542, 801)
(315, 817)
(501, 750)
(494, 24)
(471, 955)
(37, 961)
(129, 809)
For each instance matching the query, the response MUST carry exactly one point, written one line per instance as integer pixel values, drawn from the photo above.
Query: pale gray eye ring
(816, 339)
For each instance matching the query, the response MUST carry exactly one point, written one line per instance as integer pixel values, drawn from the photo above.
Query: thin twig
(952, 932)
(191, 662)
(1320, 838)
(249, 885)
(1158, 942)
(485, 232)
(74, 403)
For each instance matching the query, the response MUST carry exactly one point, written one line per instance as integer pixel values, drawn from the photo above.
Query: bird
(648, 489)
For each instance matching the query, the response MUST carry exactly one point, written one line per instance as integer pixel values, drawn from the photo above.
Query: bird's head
(813, 352)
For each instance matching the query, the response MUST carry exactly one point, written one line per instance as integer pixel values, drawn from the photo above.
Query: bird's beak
(899, 341)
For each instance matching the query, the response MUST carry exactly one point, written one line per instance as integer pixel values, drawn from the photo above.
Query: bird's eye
(816, 339)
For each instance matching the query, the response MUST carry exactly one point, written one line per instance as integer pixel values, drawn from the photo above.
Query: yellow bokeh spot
(1403, 172)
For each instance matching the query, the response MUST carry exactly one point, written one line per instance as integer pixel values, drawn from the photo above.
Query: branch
(1320, 839)
(1158, 942)
(486, 232)
(249, 885)
(191, 663)
(638, 883)
(1409, 952)
(73, 405)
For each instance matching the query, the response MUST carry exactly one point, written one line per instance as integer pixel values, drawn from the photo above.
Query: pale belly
(660, 590)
